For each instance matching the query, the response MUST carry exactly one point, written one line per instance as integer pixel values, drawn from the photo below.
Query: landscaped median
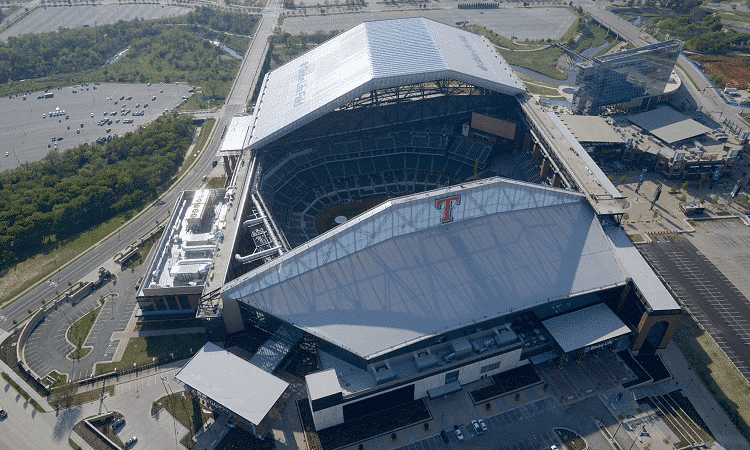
(79, 331)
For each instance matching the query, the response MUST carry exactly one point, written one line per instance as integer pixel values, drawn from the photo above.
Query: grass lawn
(199, 144)
(216, 182)
(739, 16)
(495, 38)
(79, 331)
(44, 265)
(167, 324)
(541, 61)
(597, 37)
(716, 372)
(66, 396)
(144, 250)
(185, 408)
(55, 379)
(144, 350)
(548, 92)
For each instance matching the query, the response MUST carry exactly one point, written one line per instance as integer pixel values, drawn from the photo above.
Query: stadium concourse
(455, 274)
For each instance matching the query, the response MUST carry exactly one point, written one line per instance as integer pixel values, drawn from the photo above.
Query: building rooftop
(186, 249)
(668, 125)
(585, 327)
(232, 382)
(591, 129)
(656, 295)
(372, 56)
(236, 136)
(397, 274)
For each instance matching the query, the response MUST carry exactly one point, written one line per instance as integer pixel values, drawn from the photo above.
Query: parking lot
(28, 130)
(48, 18)
(523, 23)
(712, 299)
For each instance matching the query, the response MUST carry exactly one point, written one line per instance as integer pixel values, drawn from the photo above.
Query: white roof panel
(232, 382)
(322, 384)
(668, 124)
(237, 134)
(585, 327)
(396, 274)
(653, 290)
(373, 55)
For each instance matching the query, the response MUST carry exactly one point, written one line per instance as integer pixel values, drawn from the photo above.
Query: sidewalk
(723, 430)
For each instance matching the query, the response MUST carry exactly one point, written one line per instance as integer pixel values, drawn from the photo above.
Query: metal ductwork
(250, 222)
(256, 256)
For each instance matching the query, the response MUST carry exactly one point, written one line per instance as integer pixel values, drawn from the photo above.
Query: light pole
(174, 423)
(618, 429)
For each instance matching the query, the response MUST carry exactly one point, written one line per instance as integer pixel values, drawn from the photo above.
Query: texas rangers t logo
(448, 204)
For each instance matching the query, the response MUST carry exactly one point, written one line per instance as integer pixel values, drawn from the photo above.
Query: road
(130, 232)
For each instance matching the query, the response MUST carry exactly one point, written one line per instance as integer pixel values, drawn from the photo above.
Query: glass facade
(624, 76)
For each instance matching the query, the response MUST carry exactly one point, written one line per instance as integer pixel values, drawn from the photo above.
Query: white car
(458, 432)
(483, 425)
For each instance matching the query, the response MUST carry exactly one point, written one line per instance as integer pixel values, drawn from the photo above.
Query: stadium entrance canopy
(370, 57)
(232, 383)
(586, 328)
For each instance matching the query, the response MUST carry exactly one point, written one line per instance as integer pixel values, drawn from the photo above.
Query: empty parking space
(48, 19)
(714, 301)
(522, 23)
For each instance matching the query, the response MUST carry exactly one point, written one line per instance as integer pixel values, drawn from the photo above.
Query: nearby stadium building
(370, 236)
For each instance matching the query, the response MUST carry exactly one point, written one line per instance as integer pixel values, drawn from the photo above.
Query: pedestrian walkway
(14, 376)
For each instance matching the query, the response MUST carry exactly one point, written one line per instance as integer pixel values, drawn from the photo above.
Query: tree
(623, 179)
(685, 186)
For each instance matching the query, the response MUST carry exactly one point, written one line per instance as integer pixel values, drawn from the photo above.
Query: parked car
(482, 424)
(131, 442)
(458, 432)
(477, 428)
(444, 435)
(118, 423)
(3, 414)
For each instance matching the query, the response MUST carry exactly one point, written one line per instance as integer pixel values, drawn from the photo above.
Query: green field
(79, 331)
(145, 350)
(716, 372)
(541, 61)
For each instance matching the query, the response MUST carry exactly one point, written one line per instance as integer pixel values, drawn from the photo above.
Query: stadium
(375, 246)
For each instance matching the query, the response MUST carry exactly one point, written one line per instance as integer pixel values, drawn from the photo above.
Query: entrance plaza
(577, 397)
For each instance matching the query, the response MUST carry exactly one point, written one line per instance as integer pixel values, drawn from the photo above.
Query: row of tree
(702, 31)
(223, 21)
(66, 193)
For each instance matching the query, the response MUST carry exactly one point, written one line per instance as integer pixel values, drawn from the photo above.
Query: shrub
(685, 186)
(683, 198)
(624, 179)
(703, 200)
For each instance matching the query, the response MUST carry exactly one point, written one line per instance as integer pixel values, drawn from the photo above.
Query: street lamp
(618, 429)
(174, 411)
